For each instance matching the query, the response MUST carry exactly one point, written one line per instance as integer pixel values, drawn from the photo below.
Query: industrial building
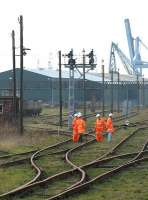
(43, 85)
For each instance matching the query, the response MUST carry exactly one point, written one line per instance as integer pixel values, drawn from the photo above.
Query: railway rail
(82, 183)
(48, 119)
(116, 119)
(32, 161)
(78, 188)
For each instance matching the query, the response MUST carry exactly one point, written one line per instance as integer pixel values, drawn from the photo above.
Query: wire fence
(114, 96)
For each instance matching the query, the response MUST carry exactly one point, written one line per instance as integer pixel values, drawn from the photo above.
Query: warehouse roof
(65, 74)
(91, 75)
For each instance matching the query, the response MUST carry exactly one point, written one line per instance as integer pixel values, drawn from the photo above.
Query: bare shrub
(10, 137)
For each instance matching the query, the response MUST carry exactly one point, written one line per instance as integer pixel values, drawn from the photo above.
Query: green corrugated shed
(45, 88)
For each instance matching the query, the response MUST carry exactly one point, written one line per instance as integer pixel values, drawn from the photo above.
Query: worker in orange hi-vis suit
(109, 127)
(75, 136)
(104, 124)
(99, 128)
(81, 126)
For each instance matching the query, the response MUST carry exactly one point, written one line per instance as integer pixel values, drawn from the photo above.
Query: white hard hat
(79, 114)
(110, 115)
(75, 115)
(97, 115)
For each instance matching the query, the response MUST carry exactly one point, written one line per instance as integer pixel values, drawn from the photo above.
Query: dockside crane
(135, 64)
(134, 49)
(115, 50)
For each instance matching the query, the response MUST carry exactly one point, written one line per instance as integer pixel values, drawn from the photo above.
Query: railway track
(48, 119)
(116, 119)
(100, 177)
(79, 169)
(8, 158)
(40, 153)
(66, 173)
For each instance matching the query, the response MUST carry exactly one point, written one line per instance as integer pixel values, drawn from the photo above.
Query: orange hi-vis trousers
(75, 136)
(99, 136)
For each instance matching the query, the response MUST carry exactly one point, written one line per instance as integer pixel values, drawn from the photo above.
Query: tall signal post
(71, 64)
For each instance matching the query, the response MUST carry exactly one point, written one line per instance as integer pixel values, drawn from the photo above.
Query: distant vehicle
(32, 108)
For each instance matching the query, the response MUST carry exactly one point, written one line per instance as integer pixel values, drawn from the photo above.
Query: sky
(53, 25)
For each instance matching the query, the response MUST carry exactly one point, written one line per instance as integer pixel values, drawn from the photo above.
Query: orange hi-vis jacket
(75, 136)
(74, 126)
(80, 125)
(109, 125)
(99, 125)
(74, 123)
(104, 124)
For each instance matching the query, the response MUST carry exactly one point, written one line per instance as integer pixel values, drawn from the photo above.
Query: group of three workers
(101, 127)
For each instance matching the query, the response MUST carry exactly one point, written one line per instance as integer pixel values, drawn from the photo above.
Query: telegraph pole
(14, 76)
(60, 89)
(103, 88)
(21, 74)
(84, 85)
